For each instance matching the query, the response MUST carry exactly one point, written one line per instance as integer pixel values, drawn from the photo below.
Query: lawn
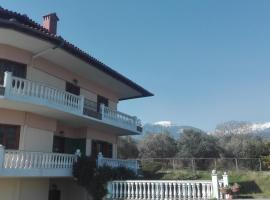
(253, 184)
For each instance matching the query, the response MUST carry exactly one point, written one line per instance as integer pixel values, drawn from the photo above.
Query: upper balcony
(37, 97)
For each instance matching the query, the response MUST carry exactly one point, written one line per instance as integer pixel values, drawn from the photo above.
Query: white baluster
(193, 190)
(136, 190)
(174, 190)
(179, 190)
(153, 190)
(148, 190)
(203, 190)
(144, 190)
(129, 191)
(140, 190)
(170, 190)
(166, 190)
(208, 192)
(157, 189)
(184, 190)
(161, 190)
(113, 190)
(116, 190)
(189, 190)
(120, 190)
(132, 190)
(125, 190)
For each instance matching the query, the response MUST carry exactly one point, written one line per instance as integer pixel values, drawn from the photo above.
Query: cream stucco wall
(24, 189)
(36, 132)
(93, 134)
(70, 190)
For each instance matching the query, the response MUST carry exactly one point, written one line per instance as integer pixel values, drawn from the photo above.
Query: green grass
(253, 184)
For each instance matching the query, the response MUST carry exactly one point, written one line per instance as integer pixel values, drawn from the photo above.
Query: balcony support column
(7, 82)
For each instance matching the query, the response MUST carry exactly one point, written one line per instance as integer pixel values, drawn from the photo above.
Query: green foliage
(195, 144)
(127, 148)
(243, 146)
(150, 169)
(94, 179)
(266, 162)
(157, 146)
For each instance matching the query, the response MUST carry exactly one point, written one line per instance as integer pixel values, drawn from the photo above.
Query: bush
(266, 162)
(94, 179)
(149, 169)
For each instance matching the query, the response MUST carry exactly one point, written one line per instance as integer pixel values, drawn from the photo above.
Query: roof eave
(57, 40)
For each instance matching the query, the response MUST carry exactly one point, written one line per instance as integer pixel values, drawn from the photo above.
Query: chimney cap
(51, 15)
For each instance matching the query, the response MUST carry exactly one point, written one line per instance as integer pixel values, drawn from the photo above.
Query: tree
(127, 148)
(243, 146)
(157, 146)
(195, 144)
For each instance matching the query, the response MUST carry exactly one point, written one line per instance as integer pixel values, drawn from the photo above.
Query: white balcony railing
(171, 189)
(129, 164)
(38, 93)
(26, 163)
(121, 119)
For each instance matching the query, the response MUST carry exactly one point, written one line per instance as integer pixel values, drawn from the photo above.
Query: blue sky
(206, 61)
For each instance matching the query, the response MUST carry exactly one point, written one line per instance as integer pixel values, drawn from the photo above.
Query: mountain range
(230, 127)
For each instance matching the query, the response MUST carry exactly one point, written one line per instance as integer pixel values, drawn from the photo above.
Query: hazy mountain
(243, 127)
(166, 127)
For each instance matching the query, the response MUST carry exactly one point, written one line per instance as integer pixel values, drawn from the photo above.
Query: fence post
(236, 164)
(260, 162)
(99, 159)
(193, 166)
(2, 156)
(109, 190)
(226, 183)
(215, 184)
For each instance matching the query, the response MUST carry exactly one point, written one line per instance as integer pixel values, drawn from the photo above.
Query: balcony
(17, 163)
(110, 162)
(40, 98)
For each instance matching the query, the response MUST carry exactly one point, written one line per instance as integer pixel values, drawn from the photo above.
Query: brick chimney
(50, 22)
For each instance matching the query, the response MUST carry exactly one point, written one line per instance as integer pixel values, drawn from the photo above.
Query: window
(104, 147)
(17, 69)
(9, 136)
(73, 89)
(68, 145)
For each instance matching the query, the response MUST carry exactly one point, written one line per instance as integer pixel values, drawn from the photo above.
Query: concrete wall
(24, 189)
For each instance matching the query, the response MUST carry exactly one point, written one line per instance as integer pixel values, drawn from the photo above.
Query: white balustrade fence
(26, 163)
(30, 160)
(121, 119)
(155, 189)
(41, 93)
(129, 164)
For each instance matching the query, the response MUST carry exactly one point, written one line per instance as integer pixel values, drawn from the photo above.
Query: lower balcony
(36, 97)
(17, 163)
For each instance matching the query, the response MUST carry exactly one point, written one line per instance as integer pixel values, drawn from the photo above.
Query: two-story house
(54, 99)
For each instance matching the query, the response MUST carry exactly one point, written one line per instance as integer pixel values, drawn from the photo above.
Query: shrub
(94, 179)
(149, 169)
